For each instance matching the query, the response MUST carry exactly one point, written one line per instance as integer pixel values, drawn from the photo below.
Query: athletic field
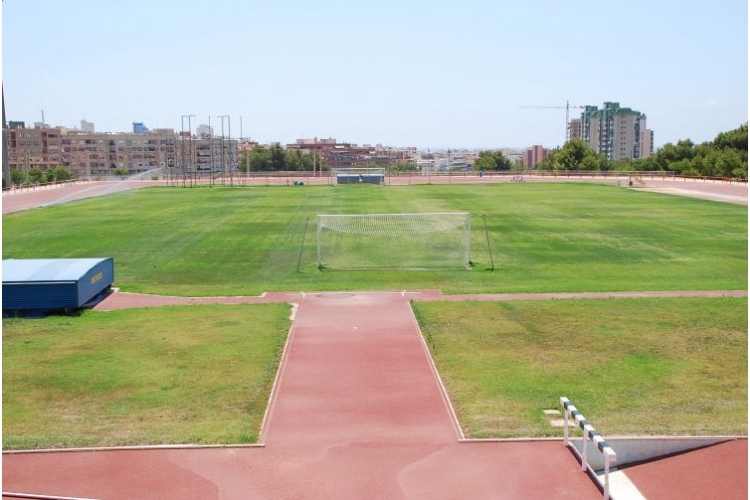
(526, 238)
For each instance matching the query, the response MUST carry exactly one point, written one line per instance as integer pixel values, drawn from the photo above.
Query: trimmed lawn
(167, 375)
(543, 238)
(631, 366)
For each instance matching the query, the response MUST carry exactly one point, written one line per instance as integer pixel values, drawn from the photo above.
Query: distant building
(575, 128)
(139, 128)
(38, 147)
(534, 155)
(89, 154)
(87, 127)
(204, 131)
(647, 143)
(344, 154)
(616, 132)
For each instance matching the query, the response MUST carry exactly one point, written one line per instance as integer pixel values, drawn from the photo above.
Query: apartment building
(575, 128)
(36, 147)
(92, 154)
(89, 154)
(616, 132)
(347, 155)
(533, 155)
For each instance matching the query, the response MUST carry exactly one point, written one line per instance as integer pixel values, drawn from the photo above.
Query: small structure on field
(51, 285)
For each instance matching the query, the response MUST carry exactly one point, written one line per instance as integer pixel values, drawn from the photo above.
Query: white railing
(570, 412)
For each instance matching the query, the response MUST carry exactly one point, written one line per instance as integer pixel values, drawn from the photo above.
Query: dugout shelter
(51, 285)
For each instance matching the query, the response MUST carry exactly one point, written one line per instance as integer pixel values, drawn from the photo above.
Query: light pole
(190, 147)
(6, 164)
(223, 149)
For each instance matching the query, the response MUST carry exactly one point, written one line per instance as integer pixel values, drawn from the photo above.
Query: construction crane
(567, 114)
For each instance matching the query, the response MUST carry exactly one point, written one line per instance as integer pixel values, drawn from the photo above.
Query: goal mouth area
(416, 241)
(360, 176)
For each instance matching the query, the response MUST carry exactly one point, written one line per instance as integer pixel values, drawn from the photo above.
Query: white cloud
(709, 103)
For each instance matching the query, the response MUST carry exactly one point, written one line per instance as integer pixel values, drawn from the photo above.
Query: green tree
(574, 155)
(35, 175)
(61, 174)
(733, 139)
(725, 156)
(259, 159)
(492, 160)
(277, 159)
(294, 161)
(17, 177)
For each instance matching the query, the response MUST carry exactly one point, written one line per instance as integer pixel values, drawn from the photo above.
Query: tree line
(725, 156)
(36, 175)
(275, 158)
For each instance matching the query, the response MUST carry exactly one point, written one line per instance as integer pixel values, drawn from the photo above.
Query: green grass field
(544, 238)
(632, 366)
(202, 374)
(170, 375)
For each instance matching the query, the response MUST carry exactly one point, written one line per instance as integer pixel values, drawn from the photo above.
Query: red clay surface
(358, 413)
(719, 471)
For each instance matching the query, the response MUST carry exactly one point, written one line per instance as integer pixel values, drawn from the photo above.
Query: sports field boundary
(128, 300)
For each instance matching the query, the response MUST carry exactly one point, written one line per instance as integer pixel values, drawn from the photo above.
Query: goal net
(360, 175)
(395, 241)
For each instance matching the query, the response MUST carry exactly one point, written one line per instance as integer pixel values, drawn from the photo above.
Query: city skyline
(418, 75)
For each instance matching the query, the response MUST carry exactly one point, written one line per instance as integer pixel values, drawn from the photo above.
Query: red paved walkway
(719, 471)
(358, 413)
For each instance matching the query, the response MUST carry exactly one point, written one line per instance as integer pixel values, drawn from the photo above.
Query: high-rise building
(647, 143)
(139, 128)
(616, 132)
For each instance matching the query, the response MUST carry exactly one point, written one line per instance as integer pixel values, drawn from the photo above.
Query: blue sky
(398, 73)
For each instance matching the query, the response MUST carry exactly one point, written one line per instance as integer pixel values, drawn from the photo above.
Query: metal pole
(182, 148)
(210, 153)
(6, 163)
(223, 152)
(238, 158)
(231, 152)
(192, 149)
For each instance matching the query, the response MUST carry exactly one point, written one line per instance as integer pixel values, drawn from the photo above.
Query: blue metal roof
(33, 270)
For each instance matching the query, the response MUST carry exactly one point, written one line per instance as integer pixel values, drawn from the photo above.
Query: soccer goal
(360, 175)
(395, 241)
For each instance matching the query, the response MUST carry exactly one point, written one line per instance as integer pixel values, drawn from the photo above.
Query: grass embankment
(171, 375)
(632, 366)
(544, 238)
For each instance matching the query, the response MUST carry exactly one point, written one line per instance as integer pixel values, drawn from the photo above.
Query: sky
(399, 73)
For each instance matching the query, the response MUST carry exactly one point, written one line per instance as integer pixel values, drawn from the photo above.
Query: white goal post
(358, 176)
(394, 241)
